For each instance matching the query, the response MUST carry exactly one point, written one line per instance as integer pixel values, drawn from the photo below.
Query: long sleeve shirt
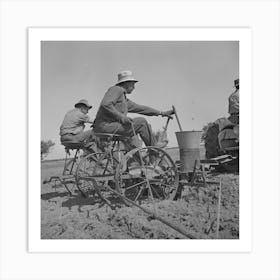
(115, 106)
(74, 122)
(233, 99)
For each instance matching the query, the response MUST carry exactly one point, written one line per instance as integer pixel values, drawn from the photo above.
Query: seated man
(112, 113)
(72, 127)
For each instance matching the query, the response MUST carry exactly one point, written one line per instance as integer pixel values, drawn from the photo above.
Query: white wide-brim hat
(125, 76)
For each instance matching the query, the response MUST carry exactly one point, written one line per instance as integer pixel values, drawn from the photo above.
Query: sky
(196, 77)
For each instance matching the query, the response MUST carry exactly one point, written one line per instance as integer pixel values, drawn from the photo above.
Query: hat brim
(126, 80)
(83, 104)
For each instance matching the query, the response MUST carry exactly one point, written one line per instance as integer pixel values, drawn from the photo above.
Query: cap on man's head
(236, 82)
(125, 76)
(84, 102)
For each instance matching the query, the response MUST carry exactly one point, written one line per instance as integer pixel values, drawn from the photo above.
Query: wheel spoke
(166, 171)
(161, 158)
(158, 193)
(139, 193)
(133, 186)
(150, 193)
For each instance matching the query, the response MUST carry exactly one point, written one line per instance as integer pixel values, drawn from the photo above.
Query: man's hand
(126, 120)
(167, 113)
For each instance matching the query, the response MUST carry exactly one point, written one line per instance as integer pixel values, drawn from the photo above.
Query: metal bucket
(189, 145)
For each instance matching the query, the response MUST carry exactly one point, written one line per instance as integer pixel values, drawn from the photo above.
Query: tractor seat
(72, 145)
(111, 137)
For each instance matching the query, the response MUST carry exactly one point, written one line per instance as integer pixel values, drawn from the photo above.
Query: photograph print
(139, 139)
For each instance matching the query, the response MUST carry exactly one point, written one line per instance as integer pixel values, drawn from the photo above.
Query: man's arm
(141, 109)
(84, 118)
(89, 120)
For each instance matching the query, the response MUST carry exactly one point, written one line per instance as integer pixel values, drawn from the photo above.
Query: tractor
(222, 141)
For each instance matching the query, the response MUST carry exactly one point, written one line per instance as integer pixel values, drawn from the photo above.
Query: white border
(36, 35)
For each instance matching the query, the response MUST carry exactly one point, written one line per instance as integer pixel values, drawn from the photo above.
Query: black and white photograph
(140, 139)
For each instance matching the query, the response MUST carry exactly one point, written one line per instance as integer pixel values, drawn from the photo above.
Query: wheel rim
(98, 166)
(139, 178)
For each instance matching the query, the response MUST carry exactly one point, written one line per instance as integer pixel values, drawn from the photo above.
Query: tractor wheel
(212, 141)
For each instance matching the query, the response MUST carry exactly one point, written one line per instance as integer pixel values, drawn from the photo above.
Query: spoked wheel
(147, 174)
(95, 171)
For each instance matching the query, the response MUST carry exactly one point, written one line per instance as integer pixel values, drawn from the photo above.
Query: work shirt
(115, 106)
(233, 107)
(74, 122)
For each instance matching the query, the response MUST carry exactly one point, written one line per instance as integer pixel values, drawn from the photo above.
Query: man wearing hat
(72, 127)
(233, 108)
(112, 113)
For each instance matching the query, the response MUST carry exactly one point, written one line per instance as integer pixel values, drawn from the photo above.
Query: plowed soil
(75, 217)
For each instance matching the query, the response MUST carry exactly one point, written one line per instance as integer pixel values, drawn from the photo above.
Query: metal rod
(166, 125)
(135, 135)
(163, 135)
(219, 209)
(175, 112)
(165, 221)
(74, 160)
(65, 161)
(62, 182)
(194, 173)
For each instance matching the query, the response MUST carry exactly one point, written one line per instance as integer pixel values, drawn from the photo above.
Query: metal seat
(68, 162)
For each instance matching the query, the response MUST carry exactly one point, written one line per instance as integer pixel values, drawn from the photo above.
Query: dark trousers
(141, 127)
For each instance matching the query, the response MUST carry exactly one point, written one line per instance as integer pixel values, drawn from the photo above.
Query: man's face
(129, 86)
(84, 109)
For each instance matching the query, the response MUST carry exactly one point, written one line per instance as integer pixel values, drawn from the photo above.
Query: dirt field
(75, 217)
